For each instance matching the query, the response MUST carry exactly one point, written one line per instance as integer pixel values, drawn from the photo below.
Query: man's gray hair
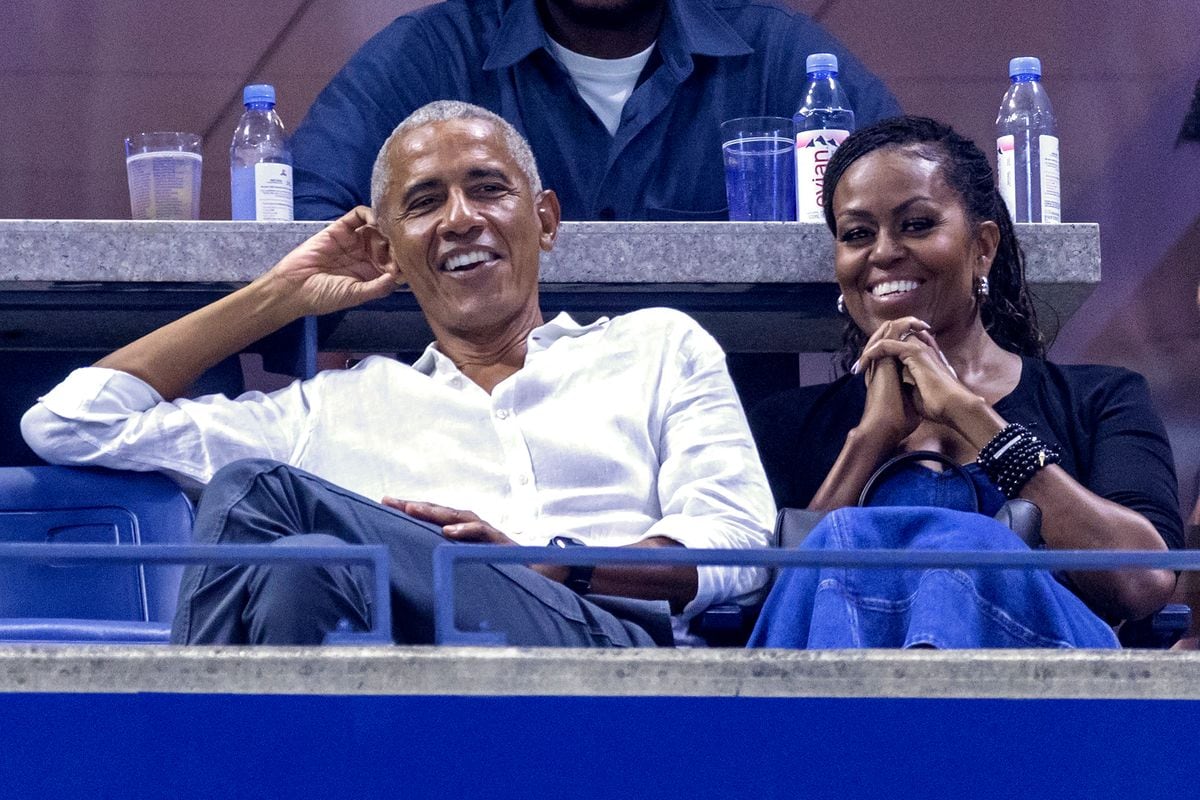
(440, 111)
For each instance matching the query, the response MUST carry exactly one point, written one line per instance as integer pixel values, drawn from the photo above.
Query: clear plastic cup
(760, 168)
(164, 175)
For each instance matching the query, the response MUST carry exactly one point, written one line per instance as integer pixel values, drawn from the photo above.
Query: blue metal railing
(373, 556)
(446, 557)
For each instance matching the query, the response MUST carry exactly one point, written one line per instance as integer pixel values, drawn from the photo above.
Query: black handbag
(1021, 516)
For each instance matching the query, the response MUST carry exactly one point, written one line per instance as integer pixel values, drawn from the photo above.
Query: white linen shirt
(611, 433)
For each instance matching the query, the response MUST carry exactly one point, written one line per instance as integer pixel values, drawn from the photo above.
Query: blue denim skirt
(839, 607)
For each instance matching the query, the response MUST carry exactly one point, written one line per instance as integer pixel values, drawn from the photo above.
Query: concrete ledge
(115, 251)
(999, 674)
(756, 286)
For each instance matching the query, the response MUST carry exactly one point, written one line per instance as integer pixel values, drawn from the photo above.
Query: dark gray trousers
(258, 501)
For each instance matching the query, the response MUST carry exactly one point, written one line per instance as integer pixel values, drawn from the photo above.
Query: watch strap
(579, 578)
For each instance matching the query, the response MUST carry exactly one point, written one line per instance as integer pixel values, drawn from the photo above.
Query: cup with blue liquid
(760, 168)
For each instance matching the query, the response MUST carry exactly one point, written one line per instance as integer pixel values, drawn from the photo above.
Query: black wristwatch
(579, 579)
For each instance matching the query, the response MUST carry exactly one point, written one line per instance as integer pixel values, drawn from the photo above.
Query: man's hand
(328, 272)
(332, 270)
(461, 526)
(677, 584)
(466, 526)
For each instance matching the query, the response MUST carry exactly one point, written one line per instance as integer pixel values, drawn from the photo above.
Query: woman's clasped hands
(909, 380)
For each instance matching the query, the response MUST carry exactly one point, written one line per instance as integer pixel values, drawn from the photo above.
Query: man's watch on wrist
(579, 579)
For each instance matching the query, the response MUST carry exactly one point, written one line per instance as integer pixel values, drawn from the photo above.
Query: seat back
(88, 505)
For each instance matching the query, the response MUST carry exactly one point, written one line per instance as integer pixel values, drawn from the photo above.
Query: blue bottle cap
(1025, 65)
(258, 93)
(821, 62)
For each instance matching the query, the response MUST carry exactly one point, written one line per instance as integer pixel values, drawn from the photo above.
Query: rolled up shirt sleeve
(712, 488)
(107, 418)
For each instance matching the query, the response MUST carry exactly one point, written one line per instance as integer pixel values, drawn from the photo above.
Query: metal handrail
(447, 556)
(375, 556)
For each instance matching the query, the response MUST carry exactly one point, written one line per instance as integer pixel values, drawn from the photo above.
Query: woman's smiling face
(905, 245)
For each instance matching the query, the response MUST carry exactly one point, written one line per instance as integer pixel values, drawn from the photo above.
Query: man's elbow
(46, 434)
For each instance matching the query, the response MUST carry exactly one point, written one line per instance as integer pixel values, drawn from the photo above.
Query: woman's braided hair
(1007, 311)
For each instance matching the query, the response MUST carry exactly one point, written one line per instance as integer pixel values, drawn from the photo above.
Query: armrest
(1160, 630)
(83, 631)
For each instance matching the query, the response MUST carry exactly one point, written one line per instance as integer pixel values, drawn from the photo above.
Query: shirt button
(502, 414)
(523, 480)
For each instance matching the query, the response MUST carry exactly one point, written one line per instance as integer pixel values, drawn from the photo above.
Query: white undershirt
(604, 83)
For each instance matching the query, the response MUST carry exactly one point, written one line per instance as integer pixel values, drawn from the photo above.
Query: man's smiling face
(464, 227)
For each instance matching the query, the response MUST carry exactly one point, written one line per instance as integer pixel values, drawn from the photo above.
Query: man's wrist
(275, 299)
(578, 578)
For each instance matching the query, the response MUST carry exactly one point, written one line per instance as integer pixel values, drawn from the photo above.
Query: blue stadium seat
(82, 603)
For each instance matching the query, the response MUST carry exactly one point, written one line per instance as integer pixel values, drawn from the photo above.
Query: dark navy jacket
(715, 60)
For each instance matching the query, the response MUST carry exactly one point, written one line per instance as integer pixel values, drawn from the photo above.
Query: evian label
(1006, 172)
(813, 151)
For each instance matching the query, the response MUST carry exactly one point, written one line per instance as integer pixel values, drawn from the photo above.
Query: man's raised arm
(329, 272)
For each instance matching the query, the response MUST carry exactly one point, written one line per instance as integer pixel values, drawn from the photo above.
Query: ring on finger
(907, 334)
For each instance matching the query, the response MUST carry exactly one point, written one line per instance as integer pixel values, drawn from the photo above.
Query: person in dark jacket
(621, 100)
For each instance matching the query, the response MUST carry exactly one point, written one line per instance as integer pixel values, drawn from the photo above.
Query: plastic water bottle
(1027, 147)
(823, 122)
(260, 161)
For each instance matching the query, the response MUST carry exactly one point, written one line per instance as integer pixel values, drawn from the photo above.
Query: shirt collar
(699, 30)
(702, 31)
(520, 34)
(561, 327)
(436, 364)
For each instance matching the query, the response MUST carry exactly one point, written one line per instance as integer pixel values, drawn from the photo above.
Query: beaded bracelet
(1013, 456)
(1008, 436)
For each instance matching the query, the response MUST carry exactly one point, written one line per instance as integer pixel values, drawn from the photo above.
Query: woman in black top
(944, 354)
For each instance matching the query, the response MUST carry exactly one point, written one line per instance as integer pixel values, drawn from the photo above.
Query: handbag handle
(895, 463)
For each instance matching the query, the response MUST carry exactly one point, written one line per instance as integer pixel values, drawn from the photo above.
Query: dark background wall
(76, 76)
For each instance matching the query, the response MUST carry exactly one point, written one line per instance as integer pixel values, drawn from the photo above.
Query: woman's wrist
(975, 420)
(1014, 456)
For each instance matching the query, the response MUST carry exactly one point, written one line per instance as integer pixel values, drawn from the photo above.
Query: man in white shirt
(508, 430)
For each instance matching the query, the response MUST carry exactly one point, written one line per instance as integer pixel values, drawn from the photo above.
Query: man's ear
(379, 250)
(549, 215)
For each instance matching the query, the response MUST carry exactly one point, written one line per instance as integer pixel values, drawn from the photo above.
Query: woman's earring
(981, 287)
(841, 304)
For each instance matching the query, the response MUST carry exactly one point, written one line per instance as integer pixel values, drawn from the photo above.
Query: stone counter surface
(758, 287)
(1011, 674)
(34, 251)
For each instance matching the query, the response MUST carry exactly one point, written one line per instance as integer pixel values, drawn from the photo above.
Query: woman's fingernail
(854, 368)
